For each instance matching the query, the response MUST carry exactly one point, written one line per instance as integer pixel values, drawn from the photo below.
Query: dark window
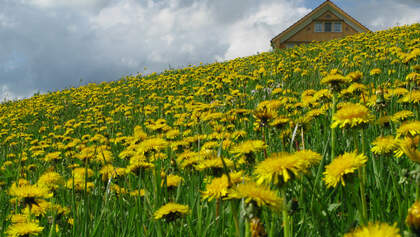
(337, 27)
(318, 27)
(327, 27)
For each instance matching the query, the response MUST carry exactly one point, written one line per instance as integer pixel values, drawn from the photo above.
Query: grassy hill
(316, 140)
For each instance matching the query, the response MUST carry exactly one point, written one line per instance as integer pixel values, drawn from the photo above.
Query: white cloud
(161, 35)
(6, 94)
(80, 4)
(383, 14)
(122, 13)
(253, 34)
(396, 15)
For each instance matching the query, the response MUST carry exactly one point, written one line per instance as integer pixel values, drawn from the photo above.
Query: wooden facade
(325, 22)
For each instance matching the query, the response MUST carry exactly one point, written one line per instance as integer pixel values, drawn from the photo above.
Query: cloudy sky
(48, 45)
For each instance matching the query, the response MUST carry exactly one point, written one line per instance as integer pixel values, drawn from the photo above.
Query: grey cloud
(53, 49)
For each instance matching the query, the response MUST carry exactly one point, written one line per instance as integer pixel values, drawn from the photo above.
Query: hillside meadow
(317, 140)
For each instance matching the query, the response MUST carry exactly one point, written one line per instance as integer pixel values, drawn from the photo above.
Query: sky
(49, 45)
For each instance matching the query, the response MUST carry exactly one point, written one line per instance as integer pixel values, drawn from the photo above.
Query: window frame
(336, 24)
(320, 24)
(330, 28)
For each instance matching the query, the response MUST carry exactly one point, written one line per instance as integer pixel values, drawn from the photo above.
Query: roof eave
(304, 20)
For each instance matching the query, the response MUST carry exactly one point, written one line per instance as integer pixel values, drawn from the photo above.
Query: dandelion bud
(413, 217)
(380, 99)
(257, 228)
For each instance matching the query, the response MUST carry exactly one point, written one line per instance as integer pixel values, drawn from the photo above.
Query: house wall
(308, 33)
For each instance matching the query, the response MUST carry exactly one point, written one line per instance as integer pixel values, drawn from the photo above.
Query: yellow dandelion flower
(109, 171)
(210, 145)
(342, 165)
(172, 181)
(24, 229)
(413, 76)
(139, 134)
(402, 115)
(238, 134)
(375, 230)
(171, 211)
(413, 217)
(409, 128)
(86, 153)
(355, 76)
(82, 172)
(53, 156)
(138, 193)
(158, 125)
(310, 115)
(136, 166)
(277, 166)
(399, 91)
(322, 95)
(248, 147)
(29, 192)
(408, 146)
(334, 80)
(280, 122)
(103, 155)
(375, 71)
(218, 188)
(52, 180)
(237, 177)
(70, 221)
(79, 184)
(384, 120)
(39, 209)
(265, 113)
(214, 163)
(308, 158)
(384, 145)
(411, 97)
(190, 163)
(172, 134)
(118, 190)
(258, 194)
(354, 87)
(351, 115)
(153, 144)
(19, 218)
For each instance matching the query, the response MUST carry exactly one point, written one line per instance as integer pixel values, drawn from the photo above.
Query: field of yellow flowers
(317, 140)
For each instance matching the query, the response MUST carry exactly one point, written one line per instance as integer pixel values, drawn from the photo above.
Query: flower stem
(417, 186)
(233, 205)
(363, 180)
(263, 137)
(234, 208)
(217, 207)
(362, 195)
(333, 135)
(247, 228)
(285, 212)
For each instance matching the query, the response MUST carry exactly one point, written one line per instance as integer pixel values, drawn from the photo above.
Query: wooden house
(325, 22)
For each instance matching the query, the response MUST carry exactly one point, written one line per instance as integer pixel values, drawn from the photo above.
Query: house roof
(308, 18)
